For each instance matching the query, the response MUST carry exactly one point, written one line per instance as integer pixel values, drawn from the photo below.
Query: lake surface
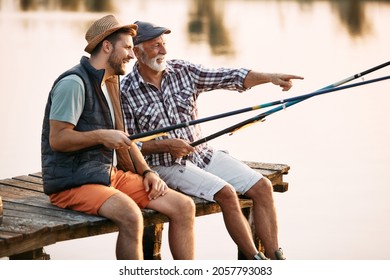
(337, 145)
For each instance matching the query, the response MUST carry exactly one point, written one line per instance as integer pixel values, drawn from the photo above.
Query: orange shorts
(90, 197)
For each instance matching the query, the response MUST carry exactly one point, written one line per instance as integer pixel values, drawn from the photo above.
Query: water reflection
(206, 17)
(351, 14)
(65, 5)
(206, 20)
(353, 17)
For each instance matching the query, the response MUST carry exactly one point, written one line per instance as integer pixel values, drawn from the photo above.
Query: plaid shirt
(146, 108)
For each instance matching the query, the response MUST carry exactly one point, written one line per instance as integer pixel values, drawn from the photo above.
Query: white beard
(153, 64)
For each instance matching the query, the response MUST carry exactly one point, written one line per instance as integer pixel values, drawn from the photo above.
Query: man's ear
(106, 46)
(136, 51)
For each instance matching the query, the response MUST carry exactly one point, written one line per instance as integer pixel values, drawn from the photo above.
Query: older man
(159, 93)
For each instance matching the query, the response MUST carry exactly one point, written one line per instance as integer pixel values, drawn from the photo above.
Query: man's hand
(115, 139)
(283, 80)
(154, 186)
(179, 148)
(257, 78)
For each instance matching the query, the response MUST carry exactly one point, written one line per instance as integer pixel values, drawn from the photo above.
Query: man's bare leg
(264, 215)
(236, 223)
(180, 209)
(126, 214)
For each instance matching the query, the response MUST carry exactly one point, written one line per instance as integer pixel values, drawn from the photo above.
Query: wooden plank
(32, 224)
(22, 184)
(282, 168)
(52, 211)
(30, 179)
(6, 235)
(27, 243)
(36, 174)
(41, 219)
(42, 230)
(21, 195)
(274, 172)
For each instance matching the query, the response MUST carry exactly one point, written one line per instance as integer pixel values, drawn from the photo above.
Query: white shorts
(222, 170)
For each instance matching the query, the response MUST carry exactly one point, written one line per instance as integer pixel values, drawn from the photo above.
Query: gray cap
(147, 31)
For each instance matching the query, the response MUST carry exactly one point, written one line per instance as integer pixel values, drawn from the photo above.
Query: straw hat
(102, 28)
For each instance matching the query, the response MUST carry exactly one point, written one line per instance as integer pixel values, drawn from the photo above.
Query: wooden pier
(30, 222)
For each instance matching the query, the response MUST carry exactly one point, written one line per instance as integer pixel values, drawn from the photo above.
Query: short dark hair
(113, 38)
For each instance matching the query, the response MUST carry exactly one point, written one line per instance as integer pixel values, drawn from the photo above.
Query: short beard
(116, 64)
(152, 62)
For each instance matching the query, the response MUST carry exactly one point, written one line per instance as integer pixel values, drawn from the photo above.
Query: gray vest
(62, 171)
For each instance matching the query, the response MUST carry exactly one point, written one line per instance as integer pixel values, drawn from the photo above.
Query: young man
(88, 162)
(159, 93)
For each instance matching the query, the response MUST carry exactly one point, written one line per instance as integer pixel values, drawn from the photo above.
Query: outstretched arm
(257, 78)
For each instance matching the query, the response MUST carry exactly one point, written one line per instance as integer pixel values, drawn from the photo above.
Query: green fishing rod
(294, 100)
(145, 136)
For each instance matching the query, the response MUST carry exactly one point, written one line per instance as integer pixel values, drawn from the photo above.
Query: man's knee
(123, 211)
(133, 217)
(188, 211)
(265, 184)
(226, 195)
(188, 205)
(263, 188)
(184, 207)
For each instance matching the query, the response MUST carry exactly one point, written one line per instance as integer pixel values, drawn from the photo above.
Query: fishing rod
(145, 136)
(292, 101)
(346, 80)
(286, 103)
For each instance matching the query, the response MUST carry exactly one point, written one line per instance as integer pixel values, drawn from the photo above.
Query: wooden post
(152, 242)
(249, 216)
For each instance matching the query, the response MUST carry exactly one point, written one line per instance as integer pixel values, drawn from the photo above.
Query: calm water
(337, 144)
